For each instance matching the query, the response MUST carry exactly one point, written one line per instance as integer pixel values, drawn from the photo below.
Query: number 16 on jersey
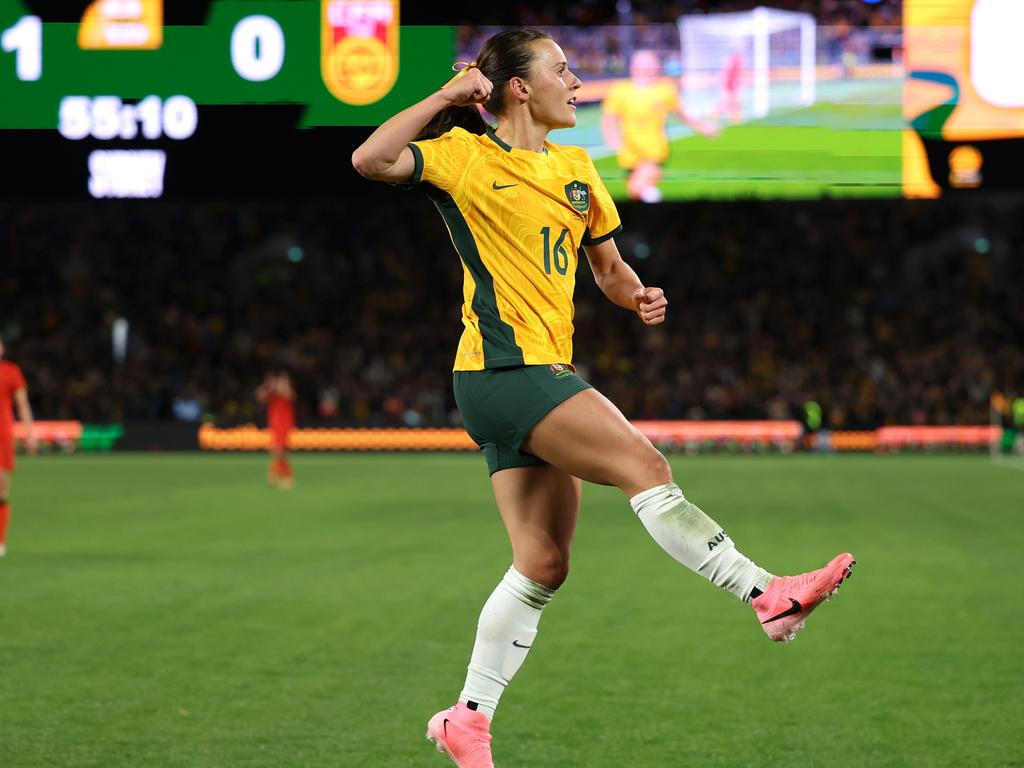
(561, 256)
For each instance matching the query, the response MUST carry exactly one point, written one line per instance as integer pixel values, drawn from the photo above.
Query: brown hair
(504, 56)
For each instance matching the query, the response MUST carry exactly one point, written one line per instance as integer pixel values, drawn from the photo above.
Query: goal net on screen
(765, 58)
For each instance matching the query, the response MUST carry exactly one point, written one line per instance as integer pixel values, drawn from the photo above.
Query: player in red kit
(732, 81)
(277, 393)
(12, 392)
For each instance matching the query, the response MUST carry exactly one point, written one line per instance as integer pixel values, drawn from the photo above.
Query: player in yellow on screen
(519, 209)
(633, 120)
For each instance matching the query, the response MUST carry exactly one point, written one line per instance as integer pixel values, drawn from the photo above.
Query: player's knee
(550, 568)
(656, 469)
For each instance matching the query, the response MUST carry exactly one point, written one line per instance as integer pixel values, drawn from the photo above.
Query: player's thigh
(539, 506)
(5, 483)
(588, 437)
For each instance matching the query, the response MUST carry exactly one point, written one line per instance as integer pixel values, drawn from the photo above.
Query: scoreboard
(119, 99)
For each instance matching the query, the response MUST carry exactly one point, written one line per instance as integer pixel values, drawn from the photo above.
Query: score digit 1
(25, 39)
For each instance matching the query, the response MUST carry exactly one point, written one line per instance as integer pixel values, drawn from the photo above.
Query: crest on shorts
(359, 49)
(578, 195)
(561, 370)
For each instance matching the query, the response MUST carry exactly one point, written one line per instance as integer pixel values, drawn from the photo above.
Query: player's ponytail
(504, 56)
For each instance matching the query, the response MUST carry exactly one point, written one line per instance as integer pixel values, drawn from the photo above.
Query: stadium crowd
(881, 311)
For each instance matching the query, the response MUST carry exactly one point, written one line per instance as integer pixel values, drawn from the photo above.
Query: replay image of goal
(764, 103)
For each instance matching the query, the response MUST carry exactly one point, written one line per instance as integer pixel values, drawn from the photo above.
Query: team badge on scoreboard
(122, 25)
(578, 195)
(359, 49)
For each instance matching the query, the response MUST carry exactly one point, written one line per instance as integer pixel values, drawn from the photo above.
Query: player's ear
(519, 88)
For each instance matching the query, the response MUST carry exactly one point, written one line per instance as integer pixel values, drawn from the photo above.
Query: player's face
(552, 87)
(644, 67)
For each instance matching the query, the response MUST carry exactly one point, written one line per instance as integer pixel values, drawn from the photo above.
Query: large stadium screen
(143, 99)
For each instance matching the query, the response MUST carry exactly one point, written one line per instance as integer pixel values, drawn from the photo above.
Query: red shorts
(7, 454)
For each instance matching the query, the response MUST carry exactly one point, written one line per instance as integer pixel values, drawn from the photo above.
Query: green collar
(494, 137)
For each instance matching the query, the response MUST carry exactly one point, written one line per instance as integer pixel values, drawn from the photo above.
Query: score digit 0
(257, 48)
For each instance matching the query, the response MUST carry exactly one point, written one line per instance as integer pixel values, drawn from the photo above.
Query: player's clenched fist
(470, 88)
(650, 305)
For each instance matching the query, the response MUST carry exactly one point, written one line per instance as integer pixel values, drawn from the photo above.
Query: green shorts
(500, 406)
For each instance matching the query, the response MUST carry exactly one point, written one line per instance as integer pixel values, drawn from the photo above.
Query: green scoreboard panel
(121, 99)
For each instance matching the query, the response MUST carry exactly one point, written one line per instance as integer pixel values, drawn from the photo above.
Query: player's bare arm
(25, 416)
(706, 127)
(263, 390)
(620, 284)
(386, 156)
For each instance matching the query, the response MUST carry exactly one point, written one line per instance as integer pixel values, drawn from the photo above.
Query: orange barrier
(51, 431)
(848, 441)
(253, 438)
(914, 437)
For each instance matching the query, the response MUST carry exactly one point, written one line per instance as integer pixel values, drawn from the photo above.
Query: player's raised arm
(264, 390)
(25, 417)
(385, 156)
(621, 285)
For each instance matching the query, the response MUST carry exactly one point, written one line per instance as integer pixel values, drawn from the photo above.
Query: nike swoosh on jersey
(495, 185)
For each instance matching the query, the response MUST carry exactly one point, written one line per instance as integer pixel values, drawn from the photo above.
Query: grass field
(848, 144)
(172, 611)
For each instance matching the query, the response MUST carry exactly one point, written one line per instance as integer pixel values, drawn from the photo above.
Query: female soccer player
(633, 120)
(277, 394)
(12, 392)
(519, 208)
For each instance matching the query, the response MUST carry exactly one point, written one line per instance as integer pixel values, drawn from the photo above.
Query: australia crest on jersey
(578, 195)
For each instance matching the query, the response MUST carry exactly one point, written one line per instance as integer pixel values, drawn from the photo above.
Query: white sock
(697, 541)
(650, 195)
(504, 634)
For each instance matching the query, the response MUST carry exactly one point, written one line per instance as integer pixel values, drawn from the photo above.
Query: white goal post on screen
(778, 50)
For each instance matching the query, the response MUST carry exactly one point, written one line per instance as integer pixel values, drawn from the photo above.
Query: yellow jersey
(642, 111)
(517, 219)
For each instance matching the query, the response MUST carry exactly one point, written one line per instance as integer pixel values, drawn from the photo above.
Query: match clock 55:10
(109, 117)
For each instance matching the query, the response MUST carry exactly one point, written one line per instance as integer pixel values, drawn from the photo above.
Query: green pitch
(175, 612)
(848, 144)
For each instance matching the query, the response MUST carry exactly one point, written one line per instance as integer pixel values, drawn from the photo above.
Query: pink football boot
(784, 607)
(464, 735)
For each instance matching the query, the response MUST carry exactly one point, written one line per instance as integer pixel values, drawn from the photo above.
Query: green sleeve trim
(588, 240)
(499, 339)
(417, 171)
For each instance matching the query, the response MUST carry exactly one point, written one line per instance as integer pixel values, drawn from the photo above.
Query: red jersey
(11, 380)
(733, 72)
(280, 413)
